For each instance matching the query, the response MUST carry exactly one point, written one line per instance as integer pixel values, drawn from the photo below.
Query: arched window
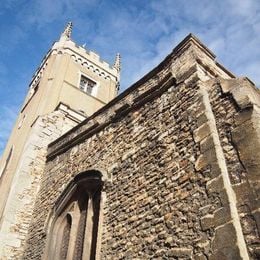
(74, 229)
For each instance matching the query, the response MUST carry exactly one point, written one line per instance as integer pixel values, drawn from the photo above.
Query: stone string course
(175, 173)
(235, 128)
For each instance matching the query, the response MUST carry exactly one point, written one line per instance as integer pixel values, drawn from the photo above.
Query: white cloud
(244, 7)
(149, 30)
(230, 28)
(41, 13)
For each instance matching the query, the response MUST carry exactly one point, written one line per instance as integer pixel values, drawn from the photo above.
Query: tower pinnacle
(117, 63)
(67, 32)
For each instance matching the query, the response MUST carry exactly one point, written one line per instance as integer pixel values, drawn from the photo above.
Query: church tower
(70, 84)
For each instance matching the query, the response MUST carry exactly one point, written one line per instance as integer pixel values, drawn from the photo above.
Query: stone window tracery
(87, 85)
(74, 231)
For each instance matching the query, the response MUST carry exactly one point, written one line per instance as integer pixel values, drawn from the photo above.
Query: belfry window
(74, 230)
(87, 85)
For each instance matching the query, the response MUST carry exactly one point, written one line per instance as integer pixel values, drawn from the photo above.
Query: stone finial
(67, 31)
(117, 63)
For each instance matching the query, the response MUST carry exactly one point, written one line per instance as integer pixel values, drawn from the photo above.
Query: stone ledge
(224, 243)
(243, 91)
(69, 141)
(218, 218)
(202, 132)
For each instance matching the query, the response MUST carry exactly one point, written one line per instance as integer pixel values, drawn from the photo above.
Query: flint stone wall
(172, 169)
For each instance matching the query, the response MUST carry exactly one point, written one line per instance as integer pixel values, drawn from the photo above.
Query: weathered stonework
(180, 151)
(243, 133)
(18, 213)
(178, 155)
(70, 84)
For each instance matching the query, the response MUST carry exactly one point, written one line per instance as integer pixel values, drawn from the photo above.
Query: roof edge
(194, 39)
(178, 50)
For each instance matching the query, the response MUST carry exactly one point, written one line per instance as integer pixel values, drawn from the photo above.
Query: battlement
(86, 58)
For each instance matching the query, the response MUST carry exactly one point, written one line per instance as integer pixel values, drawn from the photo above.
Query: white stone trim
(224, 173)
(72, 114)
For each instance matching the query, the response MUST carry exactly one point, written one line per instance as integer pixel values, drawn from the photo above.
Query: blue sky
(143, 31)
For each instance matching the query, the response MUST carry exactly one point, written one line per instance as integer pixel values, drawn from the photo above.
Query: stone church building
(168, 169)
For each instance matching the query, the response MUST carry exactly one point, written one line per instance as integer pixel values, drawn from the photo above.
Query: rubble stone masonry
(179, 151)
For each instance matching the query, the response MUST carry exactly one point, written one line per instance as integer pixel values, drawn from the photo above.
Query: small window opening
(87, 85)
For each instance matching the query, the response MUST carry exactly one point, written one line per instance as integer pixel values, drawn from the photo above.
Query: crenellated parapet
(86, 58)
